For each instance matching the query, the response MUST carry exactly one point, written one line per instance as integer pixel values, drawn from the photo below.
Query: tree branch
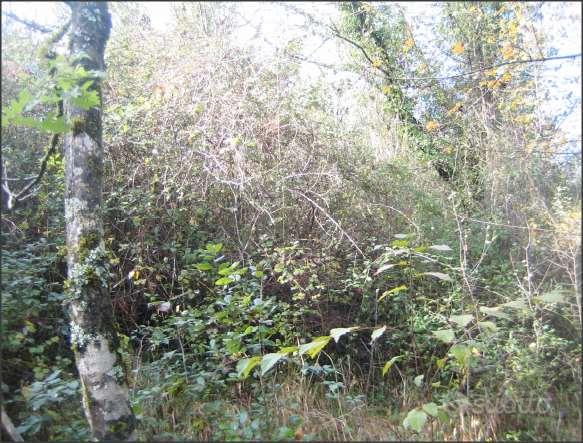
(9, 427)
(476, 71)
(28, 23)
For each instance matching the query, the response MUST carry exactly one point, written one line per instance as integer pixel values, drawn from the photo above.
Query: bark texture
(93, 338)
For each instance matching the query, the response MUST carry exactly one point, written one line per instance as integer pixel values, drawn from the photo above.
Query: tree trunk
(93, 337)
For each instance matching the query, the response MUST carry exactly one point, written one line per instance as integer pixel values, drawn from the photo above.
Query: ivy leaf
(415, 420)
(439, 275)
(488, 325)
(288, 350)
(461, 320)
(336, 333)
(223, 281)
(440, 248)
(314, 347)
(390, 363)
(445, 335)
(431, 409)
(246, 365)
(495, 312)
(204, 266)
(377, 333)
(461, 353)
(269, 360)
(393, 291)
(87, 100)
(384, 268)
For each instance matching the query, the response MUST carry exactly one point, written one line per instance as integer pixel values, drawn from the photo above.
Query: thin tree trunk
(93, 337)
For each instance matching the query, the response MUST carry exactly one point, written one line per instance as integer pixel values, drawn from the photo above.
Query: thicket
(273, 274)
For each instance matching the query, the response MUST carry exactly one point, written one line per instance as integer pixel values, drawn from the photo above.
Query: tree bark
(93, 337)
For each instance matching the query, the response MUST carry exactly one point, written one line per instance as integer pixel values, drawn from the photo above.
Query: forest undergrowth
(293, 260)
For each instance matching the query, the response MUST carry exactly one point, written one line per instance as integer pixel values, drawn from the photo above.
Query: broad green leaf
(488, 325)
(495, 312)
(555, 296)
(288, 350)
(269, 360)
(431, 409)
(393, 291)
(461, 353)
(388, 365)
(246, 365)
(515, 304)
(445, 335)
(214, 248)
(55, 125)
(415, 420)
(439, 275)
(314, 347)
(442, 415)
(461, 320)
(259, 274)
(223, 281)
(336, 333)
(87, 100)
(384, 268)
(377, 333)
(440, 248)
(419, 380)
(204, 266)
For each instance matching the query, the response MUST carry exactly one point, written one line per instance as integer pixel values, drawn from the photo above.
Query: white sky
(278, 26)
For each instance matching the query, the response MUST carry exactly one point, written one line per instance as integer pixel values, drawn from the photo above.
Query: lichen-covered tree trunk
(93, 337)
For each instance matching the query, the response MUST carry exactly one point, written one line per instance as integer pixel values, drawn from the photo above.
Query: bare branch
(28, 23)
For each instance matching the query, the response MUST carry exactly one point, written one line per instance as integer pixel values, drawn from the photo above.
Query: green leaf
(515, 304)
(223, 281)
(377, 333)
(269, 360)
(384, 268)
(336, 333)
(393, 291)
(55, 125)
(461, 353)
(204, 266)
(314, 347)
(440, 248)
(495, 312)
(419, 380)
(87, 100)
(439, 275)
(445, 335)
(388, 365)
(288, 350)
(214, 248)
(442, 415)
(246, 365)
(555, 296)
(415, 420)
(461, 320)
(488, 325)
(431, 409)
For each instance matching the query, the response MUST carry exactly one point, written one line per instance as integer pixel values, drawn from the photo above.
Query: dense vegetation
(305, 260)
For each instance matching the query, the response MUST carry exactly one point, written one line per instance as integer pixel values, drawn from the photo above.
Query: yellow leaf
(507, 51)
(512, 28)
(491, 72)
(432, 126)
(409, 43)
(506, 77)
(455, 108)
(458, 48)
(387, 89)
(377, 63)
